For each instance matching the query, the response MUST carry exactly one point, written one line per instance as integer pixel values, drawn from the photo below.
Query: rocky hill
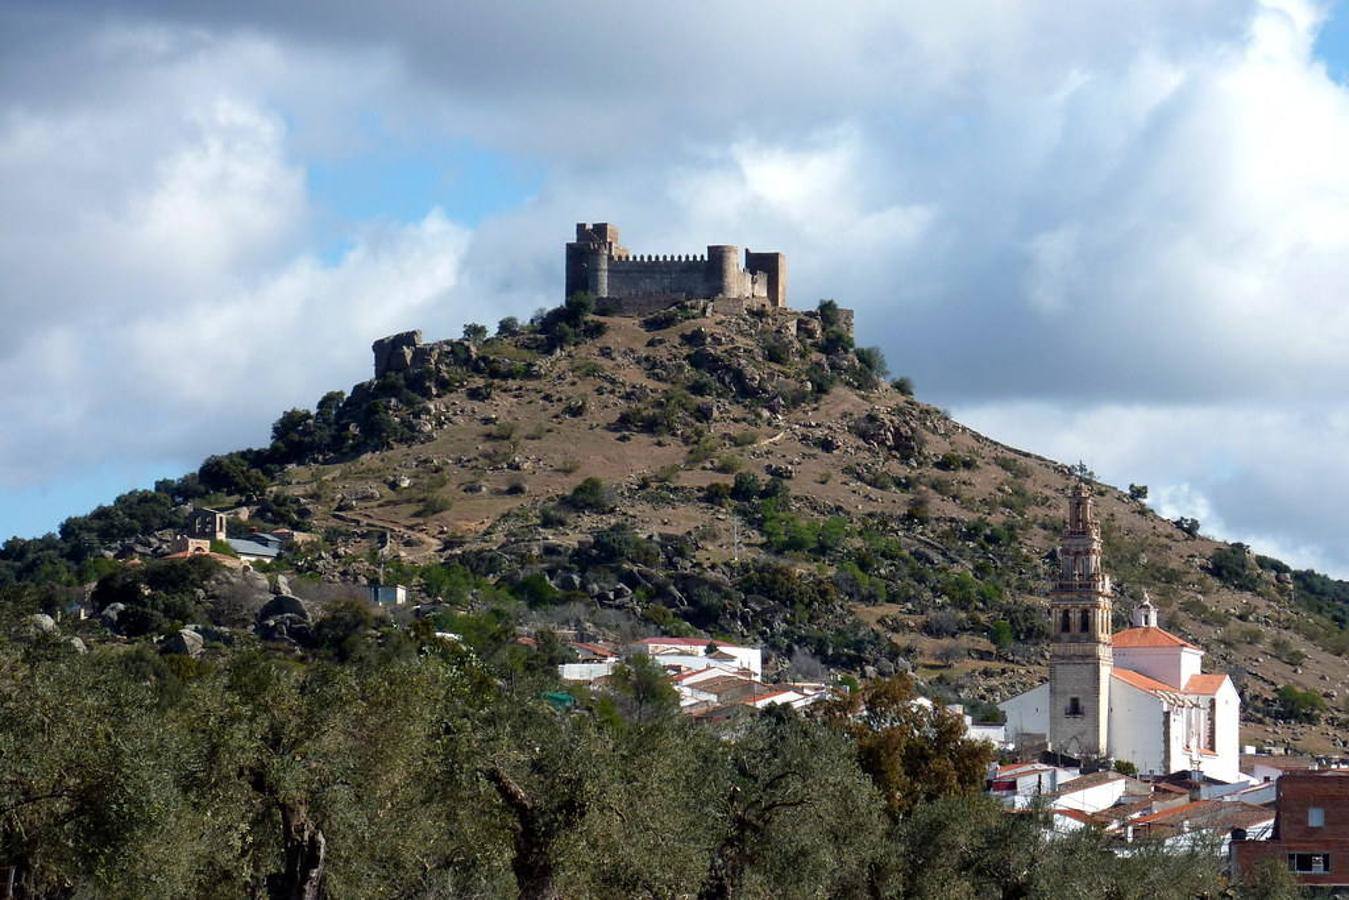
(748, 477)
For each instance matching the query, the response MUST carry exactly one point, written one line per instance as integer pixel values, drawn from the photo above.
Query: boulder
(77, 645)
(290, 628)
(395, 352)
(110, 614)
(284, 605)
(281, 587)
(185, 642)
(41, 623)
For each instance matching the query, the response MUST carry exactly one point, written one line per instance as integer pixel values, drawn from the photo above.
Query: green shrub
(729, 464)
(1234, 567)
(1300, 705)
(535, 590)
(873, 360)
(591, 495)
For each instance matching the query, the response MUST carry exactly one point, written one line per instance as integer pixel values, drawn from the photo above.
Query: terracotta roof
(726, 685)
(1148, 637)
(592, 648)
(1077, 814)
(1291, 763)
(1027, 766)
(685, 676)
(1180, 813)
(1086, 782)
(1141, 681)
(1205, 684)
(1223, 814)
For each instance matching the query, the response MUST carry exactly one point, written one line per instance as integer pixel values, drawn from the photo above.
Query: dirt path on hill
(426, 543)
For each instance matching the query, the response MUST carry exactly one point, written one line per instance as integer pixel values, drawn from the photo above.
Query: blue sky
(1097, 235)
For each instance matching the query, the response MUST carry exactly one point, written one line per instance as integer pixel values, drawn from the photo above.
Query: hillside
(746, 477)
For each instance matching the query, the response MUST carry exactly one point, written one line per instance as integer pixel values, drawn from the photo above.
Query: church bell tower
(1080, 655)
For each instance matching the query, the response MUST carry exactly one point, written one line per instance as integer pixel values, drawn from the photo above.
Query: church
(1137, 696)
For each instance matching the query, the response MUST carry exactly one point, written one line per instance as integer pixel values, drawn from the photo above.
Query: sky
(1115, 233)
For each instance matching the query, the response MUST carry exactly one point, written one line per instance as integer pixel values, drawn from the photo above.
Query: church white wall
(1169, 665)
(1177, 757)
(1191, 661)
(1136, 728)
(1226, 765)
(1027, 713)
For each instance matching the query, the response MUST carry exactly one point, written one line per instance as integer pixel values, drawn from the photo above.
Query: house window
(1074, 706)
(1086, 620)
(1316, 817)
(1309, 863)
(1065, 623)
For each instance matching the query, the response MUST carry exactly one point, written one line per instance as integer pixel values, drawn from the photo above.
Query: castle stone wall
(597, 264)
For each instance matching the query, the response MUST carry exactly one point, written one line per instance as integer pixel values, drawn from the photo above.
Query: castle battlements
(624, 283)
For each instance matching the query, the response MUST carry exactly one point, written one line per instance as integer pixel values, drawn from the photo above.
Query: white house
(388, 594)
(688, 653)
(1095, 792)
(1019, 784)
(1139, 695)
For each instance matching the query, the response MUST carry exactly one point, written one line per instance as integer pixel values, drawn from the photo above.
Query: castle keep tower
(629, 284)
(1081, 657)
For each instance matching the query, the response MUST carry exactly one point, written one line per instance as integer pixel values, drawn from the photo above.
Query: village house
(1137, 696)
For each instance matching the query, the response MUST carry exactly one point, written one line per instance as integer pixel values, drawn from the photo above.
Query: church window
(1086, 620)
(1316, 817)
(1065, 623)
(1074, 706)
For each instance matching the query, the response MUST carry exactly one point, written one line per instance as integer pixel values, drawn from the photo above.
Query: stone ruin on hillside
(636, 285)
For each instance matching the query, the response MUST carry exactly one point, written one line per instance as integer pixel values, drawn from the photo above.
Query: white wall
(1226, 766)
(586, 671)
(1027, 713)
(1092, 799)
(1136, 728)
(1169, 665)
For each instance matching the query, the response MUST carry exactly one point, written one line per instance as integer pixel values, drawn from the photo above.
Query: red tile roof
(593, 648)
(1141, 681)
(1077, 814)
(685, 676)
(1205, 684)
(1149, 637)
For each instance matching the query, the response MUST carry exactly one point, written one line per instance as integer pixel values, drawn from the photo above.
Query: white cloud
(1106, 232)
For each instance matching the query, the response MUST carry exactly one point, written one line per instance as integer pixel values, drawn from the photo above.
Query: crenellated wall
(634, 284)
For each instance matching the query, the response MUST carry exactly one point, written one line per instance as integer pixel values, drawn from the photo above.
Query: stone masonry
(628, 284)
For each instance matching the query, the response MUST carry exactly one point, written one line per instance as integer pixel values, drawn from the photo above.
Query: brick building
(1311, 830)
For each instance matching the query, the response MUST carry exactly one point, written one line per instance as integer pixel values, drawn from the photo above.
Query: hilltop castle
(624, 284)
